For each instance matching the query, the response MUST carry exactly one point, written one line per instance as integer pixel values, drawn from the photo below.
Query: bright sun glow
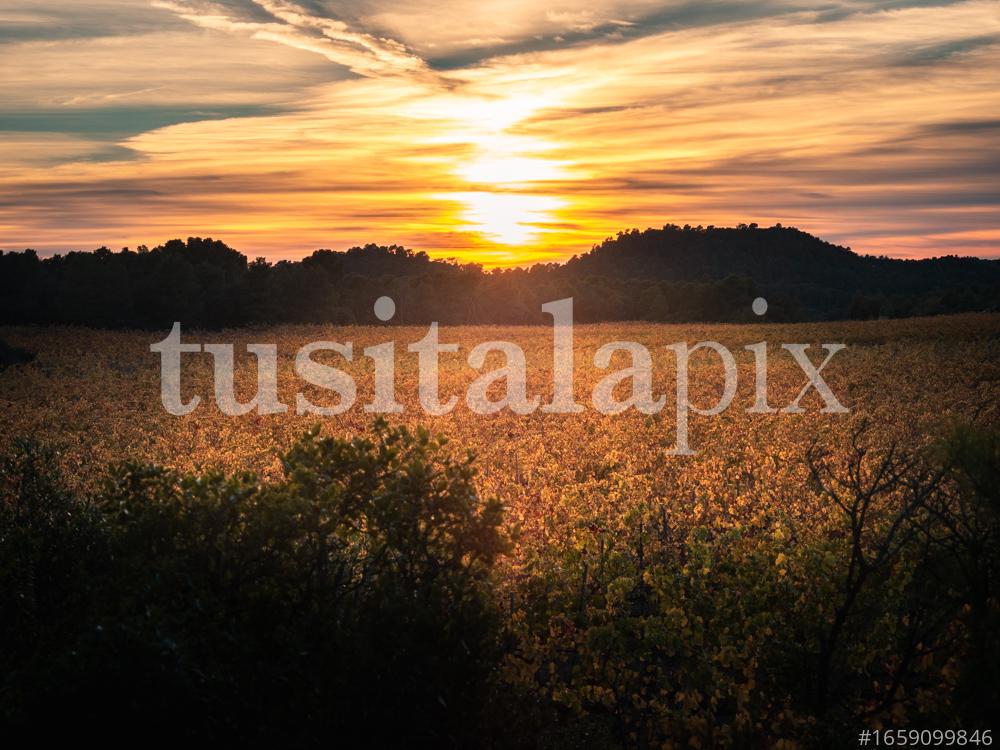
(504, 160)
(511, 170)
(506, 218)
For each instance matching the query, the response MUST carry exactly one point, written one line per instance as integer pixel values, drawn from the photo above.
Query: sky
(498, 132)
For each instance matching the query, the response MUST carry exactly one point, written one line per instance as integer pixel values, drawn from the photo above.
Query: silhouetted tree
(670, 274)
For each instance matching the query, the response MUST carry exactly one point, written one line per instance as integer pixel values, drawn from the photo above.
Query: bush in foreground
(348, 600)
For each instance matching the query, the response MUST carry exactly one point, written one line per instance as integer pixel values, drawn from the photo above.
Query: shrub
(348, 600)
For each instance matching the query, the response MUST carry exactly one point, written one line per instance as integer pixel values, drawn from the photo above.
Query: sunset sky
(498, 132)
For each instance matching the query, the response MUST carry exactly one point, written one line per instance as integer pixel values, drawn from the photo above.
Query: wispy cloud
(362, 53)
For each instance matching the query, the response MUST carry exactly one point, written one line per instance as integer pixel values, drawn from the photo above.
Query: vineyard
(785, 586)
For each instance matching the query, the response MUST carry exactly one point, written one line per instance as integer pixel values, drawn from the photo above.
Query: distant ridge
(822, 277)
(673, 274)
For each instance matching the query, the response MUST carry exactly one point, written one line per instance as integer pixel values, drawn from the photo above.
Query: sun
(506, 181)
(507, 169)
(506, 218)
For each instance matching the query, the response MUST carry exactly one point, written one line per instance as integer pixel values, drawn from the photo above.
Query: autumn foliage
(799, 578)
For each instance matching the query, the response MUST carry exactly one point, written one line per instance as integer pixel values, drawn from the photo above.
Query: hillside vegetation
(672, 274)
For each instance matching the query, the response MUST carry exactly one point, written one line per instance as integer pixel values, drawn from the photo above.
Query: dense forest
(675, 274)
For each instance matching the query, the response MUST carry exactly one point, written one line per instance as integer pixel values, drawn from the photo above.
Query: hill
(825, 280)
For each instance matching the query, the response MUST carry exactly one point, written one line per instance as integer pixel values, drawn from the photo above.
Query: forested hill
(672, 274)
(824, 279)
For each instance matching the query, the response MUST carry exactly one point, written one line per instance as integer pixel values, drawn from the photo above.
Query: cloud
(934, 53)
(294, 26)
(49, 20)
(116, 121)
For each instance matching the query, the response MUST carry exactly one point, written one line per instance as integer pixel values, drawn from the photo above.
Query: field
(597, 509)
(96, 394)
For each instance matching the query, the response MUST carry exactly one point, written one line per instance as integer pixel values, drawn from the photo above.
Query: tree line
(674, 274)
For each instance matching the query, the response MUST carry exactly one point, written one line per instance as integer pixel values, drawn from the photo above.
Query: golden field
(95, 395)
(653, 597)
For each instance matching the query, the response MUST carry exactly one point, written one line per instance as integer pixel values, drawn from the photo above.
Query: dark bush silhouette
(347, 601)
